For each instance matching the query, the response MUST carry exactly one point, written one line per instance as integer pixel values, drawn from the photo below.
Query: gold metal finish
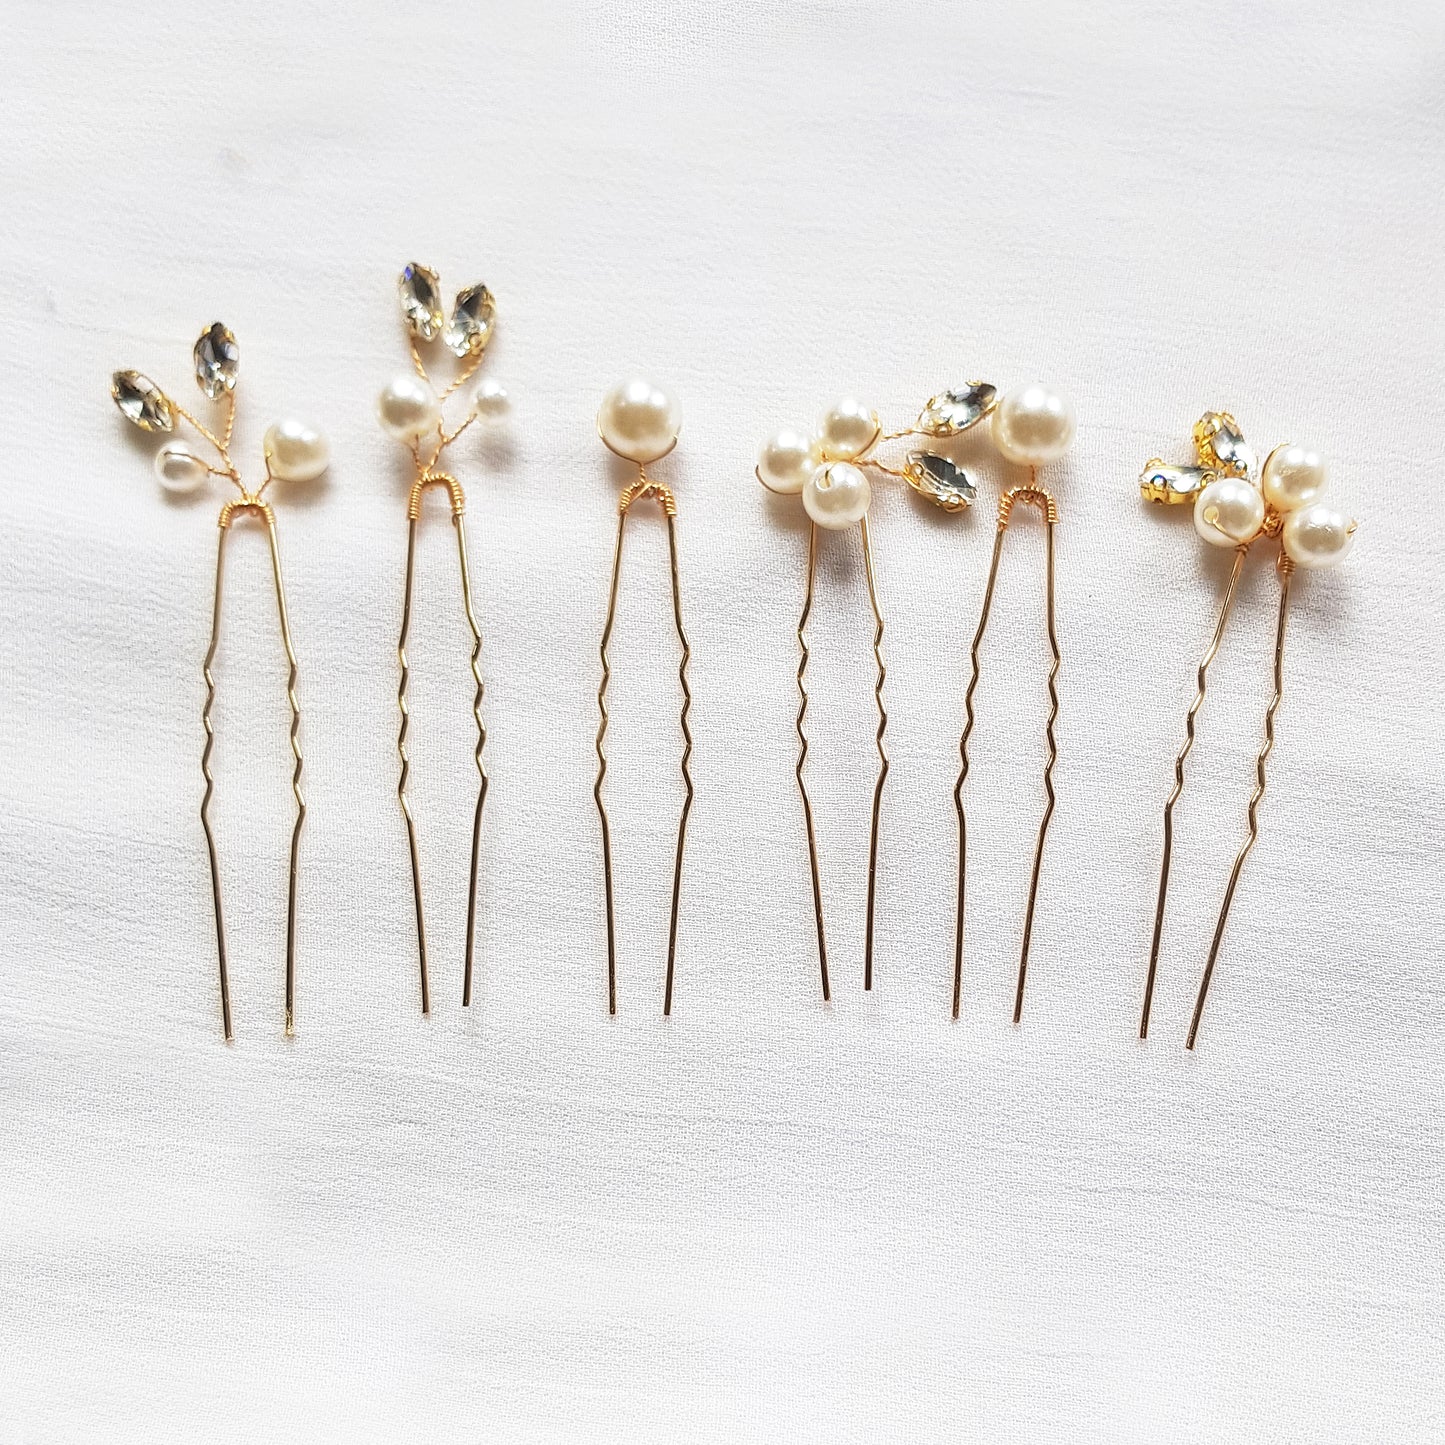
(882, 756)
(803, 655)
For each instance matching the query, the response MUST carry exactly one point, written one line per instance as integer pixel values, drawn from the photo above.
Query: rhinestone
(141, 401)
(1160, 482)
(218, 359)
(470, 328)
(951, 412)
(421, 301)
(940, 480)
(1221, 444)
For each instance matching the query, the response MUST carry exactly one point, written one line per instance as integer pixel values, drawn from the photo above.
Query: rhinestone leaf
(940, 480)
(1161, 482)
(421, 301)
(470, 328)
(218, 359)
(142, 402)
(1221, 444)
(951, 412)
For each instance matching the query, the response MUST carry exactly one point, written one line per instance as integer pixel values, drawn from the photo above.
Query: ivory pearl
(180, 470)
(788, 460)
(1293, 477)
(297, 451)
(490, 401)
(408, 408)
(1033, 424)
(847, 430)
(1229, 512)
(837, 495)
(639, 421)
(1317, 536)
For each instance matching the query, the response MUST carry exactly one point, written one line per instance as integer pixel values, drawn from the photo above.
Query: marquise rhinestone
(218, 359)
(1161, 482)
(1221, 445)
(470, 328)
(951, 412)
(943, 482)
(421, 300)
(142, 402)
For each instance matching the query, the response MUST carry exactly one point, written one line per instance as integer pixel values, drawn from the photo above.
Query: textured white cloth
(762, 1220)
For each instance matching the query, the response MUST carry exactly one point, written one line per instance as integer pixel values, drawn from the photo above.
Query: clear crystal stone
(943, 482)
(470, 328)
(1161, 482)
(951, 412)
(141, 401)
(421, 300)
(218, 359)
(1221, 444)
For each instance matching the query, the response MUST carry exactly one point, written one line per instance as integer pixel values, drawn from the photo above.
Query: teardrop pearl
(180, 469)
(788, 460)
(847, 429)
(298, 451)
(837, 496)
(1293, 477)
(1317, 536)
(408, 408)
(1229, 512)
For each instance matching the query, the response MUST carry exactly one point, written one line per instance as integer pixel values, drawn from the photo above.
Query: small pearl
(1229, 512)
(490, 402)
(847, 430)
(639, 421)
(179, 469)
(1317, 536)
(298, 452)
(788, 460)
(837, 495)
(1033, 424)
(408, 408)
(1293, 477)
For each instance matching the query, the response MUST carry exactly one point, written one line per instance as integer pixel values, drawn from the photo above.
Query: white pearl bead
(1317, 536)
(179, 469)
(297, 451)
(1229, 512)
(1033, 424)
(1293, 477)
(639, 421)
(837, 495)
(408, 408)
(847, 430)
(788, 460)
(490, 401)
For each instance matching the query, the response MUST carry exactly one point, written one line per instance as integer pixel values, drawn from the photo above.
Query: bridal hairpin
(294, 452)
(1235, 504)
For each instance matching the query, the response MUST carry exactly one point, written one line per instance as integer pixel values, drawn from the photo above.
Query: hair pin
(640, 423)
(410, 409)
(1236, 503)
(294, 452)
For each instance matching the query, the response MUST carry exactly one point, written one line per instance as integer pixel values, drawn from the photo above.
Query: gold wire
(211, 784)
(406, 762)
(803, 655)
(686, 758)
(1194, 707)
(482, 780)
(1286, 568)
(602, 768)
(882, 756)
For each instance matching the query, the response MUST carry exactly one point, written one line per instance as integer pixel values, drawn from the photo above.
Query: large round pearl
(1033, 424)
(639, 421)
(296, 450)
(180, 470)
(1293, 477)
(788, 460)
(837, 495)
(1229, 512)
(490, 401)
(408, 408)
(847, 430)
(1317, 536)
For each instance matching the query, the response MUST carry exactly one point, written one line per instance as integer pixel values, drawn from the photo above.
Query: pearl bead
(408, 408)
(837, 495)
(490, 401)
(788, 460)
(1293, 476)
(847, 430)
(1033, 424)
(180, 470)
(1317, 536)
(297, 451)
(639, 421)
(1229, 512)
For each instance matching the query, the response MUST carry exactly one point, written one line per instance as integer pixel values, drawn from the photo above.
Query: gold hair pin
(1235, 504)
(640, 423)
(294, 452)
(410, 409)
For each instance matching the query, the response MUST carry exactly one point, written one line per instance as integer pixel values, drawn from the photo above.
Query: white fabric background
(763, 1220)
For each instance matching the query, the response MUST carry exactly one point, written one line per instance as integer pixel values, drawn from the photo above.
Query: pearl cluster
(409, 408)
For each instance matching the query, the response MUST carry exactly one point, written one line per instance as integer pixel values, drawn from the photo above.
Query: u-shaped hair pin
(294, 452)
(1236, 503)
(640, 423)
(410, 409)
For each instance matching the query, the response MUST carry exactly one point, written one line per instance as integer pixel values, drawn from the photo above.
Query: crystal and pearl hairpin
(1236, 503)
(640, 423)
(294, 452)
(410, 409)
